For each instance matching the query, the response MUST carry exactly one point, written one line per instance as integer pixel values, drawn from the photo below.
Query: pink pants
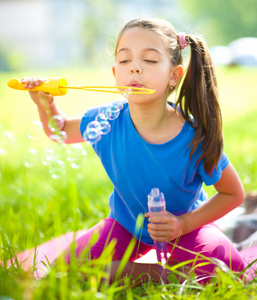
(208, 241)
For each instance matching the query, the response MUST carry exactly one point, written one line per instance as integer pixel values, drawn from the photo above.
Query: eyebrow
(145, 50)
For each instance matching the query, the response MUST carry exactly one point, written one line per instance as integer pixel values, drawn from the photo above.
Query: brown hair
(198, 95)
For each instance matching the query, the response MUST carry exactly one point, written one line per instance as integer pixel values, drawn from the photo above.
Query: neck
(149, 116)
(157, 122)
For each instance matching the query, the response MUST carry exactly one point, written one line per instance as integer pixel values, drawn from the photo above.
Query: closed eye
(151, 61)
(124, 61)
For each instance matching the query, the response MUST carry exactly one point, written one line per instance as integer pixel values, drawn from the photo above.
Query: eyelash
(151, 61)
(146, 60)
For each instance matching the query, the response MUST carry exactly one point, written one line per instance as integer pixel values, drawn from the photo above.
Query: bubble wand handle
(59, 87)
(54, 86)
(157, 207)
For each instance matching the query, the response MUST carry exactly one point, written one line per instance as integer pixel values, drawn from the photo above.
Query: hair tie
(182, 41)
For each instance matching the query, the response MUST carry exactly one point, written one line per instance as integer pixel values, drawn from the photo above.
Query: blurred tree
(223, 20)
(99, 26)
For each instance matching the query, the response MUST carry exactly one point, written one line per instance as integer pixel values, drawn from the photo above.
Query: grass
(44, 200)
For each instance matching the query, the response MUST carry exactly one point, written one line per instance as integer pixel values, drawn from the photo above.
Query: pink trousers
(208, 241)
(199, 245)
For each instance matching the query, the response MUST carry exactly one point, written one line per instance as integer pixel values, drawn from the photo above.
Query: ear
(177, 73)
(113, 70)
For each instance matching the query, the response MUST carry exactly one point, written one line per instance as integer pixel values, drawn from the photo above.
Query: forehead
(140, 38)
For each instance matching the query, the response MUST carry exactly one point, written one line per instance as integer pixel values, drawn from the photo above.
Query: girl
(153, 143)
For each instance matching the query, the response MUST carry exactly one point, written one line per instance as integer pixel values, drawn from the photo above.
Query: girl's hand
(39, 98)
(166, 227)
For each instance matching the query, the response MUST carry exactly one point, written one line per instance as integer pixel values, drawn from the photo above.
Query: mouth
(135, 83)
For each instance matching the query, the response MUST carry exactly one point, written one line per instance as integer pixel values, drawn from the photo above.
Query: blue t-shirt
(135, 167)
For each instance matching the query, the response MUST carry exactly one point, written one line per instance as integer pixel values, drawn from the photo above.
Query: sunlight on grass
(41, 199)
(237, 91)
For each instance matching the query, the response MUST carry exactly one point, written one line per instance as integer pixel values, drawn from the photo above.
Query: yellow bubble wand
(59, 87)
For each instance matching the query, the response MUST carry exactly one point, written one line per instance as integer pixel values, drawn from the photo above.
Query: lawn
(48, 189)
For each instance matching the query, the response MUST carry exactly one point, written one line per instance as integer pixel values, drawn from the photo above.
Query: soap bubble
(59, 137)
(118, 104)
(105, 125)
(56, 123)
(32, 131)
(31, 159)
(7, 139)
(75, 155)
(57, 169)
(101, 126)
(9, 135)
(125, 95)
(93, 133)
(101, 113)
(48, 157)
(112, 111)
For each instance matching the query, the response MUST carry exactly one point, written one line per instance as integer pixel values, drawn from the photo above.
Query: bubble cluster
(56, 169)
(75, 155)
(101, 126)
(48, 156)
(56, 124)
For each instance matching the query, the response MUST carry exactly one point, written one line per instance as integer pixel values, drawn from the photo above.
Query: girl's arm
(230, 195)
(47, 109)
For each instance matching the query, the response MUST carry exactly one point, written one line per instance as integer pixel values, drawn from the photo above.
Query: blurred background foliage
(223, 21)
(50, 34)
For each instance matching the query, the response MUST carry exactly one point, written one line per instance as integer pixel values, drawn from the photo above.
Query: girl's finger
(159, 238)
(159, 233)
(31, 82)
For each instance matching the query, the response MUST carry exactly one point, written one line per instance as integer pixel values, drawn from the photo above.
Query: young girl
(153, 143)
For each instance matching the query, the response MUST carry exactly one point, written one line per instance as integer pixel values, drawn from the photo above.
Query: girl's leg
(208, 241)
(108, 230)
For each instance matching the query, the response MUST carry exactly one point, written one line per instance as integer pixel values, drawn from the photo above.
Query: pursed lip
(135, 83)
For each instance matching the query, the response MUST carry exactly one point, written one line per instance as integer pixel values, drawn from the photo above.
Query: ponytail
(198, 98)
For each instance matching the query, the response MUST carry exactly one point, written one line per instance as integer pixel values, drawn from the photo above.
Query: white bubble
(57, 169)
(119, 104)
(112, 111)
(101, 113)
(93, 133)
(104, 124)
(56, 123)
(9, 135)
(59, 137)
(105, 127)
(48, 157)
(31, 158)
(76, 155)
(125, 95)
(30, 135)
(101, 126)
(38, 123)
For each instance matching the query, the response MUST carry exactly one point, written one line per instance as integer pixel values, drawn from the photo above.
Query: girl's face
(142, 61)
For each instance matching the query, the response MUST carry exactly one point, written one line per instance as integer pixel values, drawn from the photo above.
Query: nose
(135, 68)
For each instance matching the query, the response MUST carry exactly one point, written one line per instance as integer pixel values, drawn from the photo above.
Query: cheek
(119, 74)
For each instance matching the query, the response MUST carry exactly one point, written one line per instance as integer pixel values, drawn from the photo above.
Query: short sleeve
(88, 117)
(214, 177)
